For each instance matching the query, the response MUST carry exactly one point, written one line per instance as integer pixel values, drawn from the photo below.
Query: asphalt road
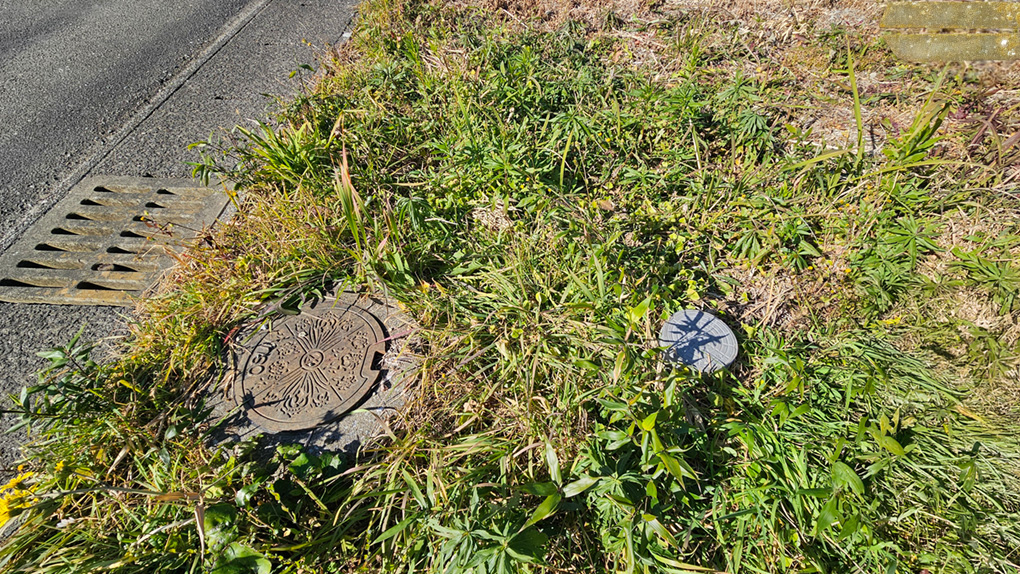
(121, 87)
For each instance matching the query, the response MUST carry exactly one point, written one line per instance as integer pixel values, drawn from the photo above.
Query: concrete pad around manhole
(327, 378)
(107, 241)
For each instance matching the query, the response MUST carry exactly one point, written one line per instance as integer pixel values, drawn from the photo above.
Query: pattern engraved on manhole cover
(106, 241)
(310, 368)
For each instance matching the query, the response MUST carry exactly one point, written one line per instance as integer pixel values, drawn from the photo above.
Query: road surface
(121, 87)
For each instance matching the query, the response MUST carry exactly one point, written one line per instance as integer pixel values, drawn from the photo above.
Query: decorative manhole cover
(106, 241)
(310, 368)
(699, 340)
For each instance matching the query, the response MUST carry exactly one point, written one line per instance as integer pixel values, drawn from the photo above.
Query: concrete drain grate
(105, 243)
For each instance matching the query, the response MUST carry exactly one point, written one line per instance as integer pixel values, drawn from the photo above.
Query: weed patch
(540, 188)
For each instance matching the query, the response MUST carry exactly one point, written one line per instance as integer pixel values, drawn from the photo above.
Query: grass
(540, 189)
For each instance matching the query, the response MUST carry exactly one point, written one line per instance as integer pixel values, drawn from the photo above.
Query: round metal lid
(310, 368)
(699, 340)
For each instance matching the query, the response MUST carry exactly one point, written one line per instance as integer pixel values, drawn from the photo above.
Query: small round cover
(699, 340)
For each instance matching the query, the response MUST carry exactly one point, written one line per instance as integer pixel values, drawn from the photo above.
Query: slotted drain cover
(105, 242)
(310, 368)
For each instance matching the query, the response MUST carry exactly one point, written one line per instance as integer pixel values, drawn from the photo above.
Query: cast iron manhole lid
(106, 242)
(699, 340)
(310, 369)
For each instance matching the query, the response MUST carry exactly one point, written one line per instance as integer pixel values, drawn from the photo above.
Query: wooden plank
(952, 15)
(954, 47)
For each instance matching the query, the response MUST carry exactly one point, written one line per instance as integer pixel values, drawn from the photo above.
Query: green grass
(539, 198)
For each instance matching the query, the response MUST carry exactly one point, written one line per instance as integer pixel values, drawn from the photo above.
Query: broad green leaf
(636, 314)
(396, 529)
(540, 488)
(656, 441)
(415, 489)
(553, 461)
(621, 500)
(239, 559)
(891, 445)
(544, 510)
(799, 411)
(303, 465)
(850, 526)
(618, 367)
(445, 532)
(968, 475)
(652, 491)
(677, 467)
(884, 425)
(245, 494)
(528, 546)
(612, 405)
(827, 517)
(580, 485)
(219, 523)
(780, 409)
(658, 528)
(842, 475)
(815, 492)
(649, 422)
